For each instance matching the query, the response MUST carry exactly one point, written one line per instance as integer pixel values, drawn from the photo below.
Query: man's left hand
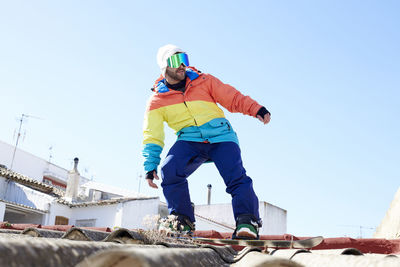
(267, 118)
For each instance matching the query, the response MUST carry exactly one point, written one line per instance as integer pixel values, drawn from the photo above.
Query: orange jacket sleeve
(232, 99)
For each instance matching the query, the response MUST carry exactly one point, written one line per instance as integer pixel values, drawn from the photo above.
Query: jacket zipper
(184, 102)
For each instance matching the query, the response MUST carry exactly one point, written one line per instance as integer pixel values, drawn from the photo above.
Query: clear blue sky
(329, 72)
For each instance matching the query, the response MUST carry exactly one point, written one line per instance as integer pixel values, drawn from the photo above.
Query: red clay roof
(365, 245)
(90, 247)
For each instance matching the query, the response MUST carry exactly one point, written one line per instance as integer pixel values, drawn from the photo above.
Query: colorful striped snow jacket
(194, 114)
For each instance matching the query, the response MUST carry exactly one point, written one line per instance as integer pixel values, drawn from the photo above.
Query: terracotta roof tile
(170, 257)
(317, 260)
(37, 232)
(63, 228)
(125, 236)
(116, 249)
(10, 236)
(47, 252)
(287, 253)
(260, 259)
(85, 234)
(9, 231)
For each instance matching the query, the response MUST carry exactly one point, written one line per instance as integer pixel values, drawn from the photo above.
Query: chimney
(209, 194)
(73, 182)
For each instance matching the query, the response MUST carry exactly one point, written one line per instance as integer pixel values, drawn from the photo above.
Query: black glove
(262, 112)
(150, 174)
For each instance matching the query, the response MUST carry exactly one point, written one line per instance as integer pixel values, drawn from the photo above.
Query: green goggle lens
(175, 61)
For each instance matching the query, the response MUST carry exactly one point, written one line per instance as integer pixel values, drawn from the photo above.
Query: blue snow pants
(185, 157)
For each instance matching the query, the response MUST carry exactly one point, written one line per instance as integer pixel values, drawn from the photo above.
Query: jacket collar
(160, 87)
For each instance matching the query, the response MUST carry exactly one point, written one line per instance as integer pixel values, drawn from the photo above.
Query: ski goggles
(175, 61)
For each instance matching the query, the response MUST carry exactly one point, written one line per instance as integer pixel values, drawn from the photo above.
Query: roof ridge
(30, 182)
(101, 202)
(22, 205)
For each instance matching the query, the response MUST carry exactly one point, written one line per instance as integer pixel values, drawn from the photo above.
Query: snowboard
(295, 244)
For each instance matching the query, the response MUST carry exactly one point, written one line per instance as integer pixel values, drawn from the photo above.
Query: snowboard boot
(176, 224)
(247, 227)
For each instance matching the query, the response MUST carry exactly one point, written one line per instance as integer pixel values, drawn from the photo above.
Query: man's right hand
(150, 176)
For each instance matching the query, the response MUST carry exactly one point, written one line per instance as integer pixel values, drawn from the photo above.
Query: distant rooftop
(29, 182)
(101, 202)
(111, 189)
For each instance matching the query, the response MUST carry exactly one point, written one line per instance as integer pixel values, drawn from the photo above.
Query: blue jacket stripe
(151, 154)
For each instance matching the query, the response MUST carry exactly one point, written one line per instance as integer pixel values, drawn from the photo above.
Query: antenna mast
(140, 181)
(361, 228)
(21, 120)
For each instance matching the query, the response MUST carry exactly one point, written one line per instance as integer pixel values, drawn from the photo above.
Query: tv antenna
(50, 153)
(21, 120)
(361, 227)
(139, 176)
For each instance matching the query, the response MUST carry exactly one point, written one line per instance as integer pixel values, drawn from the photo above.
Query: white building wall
(24, 162)
(135, 211)
(21, 194)
(2, 211)
(84, 189)
(274, 218)
(57, 209)
(202, 224)
(221, 213)
(6, 152)
(3, 187)
(390, 225)
(128, 214)
(104, 215)
(19, 216)
(30, 165)
(118, 215)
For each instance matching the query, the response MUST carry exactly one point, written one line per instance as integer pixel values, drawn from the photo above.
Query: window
(53, 182)
(47, 181)
(85, 223)
(60, 220)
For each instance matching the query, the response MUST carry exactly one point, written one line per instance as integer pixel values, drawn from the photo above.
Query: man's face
(177, 74)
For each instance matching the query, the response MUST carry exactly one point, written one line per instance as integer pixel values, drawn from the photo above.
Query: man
(187, 100)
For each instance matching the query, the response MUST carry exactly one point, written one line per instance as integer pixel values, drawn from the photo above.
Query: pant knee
(242, 183)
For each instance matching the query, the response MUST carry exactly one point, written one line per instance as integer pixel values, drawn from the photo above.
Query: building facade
(37, 191)
(25, 200)
(220, 217)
